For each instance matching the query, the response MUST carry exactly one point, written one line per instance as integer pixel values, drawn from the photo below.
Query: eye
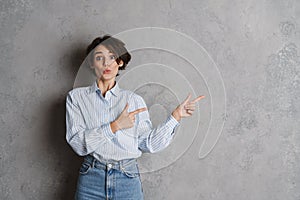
(112, 57)
(99, 58)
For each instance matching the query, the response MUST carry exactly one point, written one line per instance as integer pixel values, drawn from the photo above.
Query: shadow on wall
(67, 162)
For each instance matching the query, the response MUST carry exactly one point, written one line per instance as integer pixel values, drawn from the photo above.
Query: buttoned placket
(103, 111)
(106, 106)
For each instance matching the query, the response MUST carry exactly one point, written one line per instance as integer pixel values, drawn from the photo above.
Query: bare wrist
(114, 126)
(176, 116)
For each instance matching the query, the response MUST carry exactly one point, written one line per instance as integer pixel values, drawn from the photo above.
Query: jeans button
(109, 165)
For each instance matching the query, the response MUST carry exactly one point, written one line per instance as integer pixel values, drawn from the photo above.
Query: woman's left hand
(186, 108)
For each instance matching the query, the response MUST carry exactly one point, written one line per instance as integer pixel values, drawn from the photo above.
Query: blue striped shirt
(88, 117)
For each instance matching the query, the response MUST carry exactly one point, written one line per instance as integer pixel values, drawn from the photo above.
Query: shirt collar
(114, 90)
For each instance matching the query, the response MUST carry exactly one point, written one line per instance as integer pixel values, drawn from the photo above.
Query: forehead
(101, 49)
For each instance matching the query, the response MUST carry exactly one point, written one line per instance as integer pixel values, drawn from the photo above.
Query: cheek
(116, 67)
(98, 66)
(97, 63)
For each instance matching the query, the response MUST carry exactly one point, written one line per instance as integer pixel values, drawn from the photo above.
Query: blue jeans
(109, 180)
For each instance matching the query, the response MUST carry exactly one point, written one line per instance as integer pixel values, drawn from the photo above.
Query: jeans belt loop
(93, 162)
(121, 165)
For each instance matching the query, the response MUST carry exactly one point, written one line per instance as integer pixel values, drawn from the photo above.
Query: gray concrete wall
(255, 46)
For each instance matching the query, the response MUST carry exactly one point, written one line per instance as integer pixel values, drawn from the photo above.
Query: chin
(106, 78)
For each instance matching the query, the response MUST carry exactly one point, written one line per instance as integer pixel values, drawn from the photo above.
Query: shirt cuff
(107, 132)
(172, 122)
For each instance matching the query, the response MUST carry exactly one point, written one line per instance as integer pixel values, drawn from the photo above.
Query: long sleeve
(154, 139)
(83, 141)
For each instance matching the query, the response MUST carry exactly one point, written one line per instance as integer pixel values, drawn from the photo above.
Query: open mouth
(107, 71)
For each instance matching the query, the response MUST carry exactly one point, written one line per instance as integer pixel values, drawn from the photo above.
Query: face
(105, 64)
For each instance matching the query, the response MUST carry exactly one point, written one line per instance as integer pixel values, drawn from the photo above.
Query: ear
(121, 63)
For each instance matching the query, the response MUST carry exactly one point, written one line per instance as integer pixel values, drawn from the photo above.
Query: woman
(111, 127)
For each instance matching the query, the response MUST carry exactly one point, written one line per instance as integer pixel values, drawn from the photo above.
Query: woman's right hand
(126, 119)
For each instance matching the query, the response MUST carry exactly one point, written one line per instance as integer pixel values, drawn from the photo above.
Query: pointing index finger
(138, 111)
(198, 99)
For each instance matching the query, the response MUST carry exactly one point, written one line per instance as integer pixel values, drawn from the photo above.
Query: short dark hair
(114, 45)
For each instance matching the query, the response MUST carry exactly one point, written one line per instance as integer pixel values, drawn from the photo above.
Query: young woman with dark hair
(111, 127)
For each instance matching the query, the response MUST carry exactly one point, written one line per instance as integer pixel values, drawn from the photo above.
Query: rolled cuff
(107, 132)
(172, 123)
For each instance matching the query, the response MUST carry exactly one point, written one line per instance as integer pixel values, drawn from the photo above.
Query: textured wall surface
(255, 45)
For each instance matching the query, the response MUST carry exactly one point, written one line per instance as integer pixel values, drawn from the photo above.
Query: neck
(104, 86)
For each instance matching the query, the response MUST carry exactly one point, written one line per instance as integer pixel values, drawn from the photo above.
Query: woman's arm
(154, 139)
(83, 141)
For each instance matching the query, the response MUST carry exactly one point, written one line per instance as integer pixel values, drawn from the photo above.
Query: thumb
(126, 107)
(187, 99)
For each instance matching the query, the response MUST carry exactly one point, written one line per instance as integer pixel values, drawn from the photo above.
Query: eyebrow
(100, 52)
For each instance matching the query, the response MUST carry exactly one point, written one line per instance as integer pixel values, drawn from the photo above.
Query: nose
(106, 62)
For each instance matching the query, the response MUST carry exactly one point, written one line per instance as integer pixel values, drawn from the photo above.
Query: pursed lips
(106, 71)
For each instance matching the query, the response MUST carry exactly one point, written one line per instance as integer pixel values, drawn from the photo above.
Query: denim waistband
(119, 165)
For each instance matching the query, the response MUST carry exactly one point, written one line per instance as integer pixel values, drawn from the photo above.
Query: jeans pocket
(131, 171)
(84, 169)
